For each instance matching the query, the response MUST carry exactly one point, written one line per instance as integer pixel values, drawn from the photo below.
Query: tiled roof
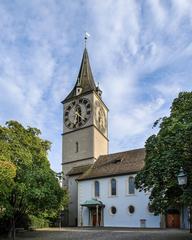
(78, 170)
(116, 164)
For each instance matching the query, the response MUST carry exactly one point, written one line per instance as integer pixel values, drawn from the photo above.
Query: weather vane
(86, 37)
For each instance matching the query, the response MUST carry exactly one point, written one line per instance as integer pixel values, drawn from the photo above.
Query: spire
(85, 81)
(85, 75)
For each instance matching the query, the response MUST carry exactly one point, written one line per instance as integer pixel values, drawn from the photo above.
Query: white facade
(141, 217)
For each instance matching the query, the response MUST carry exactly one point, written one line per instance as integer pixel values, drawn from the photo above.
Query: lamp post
(182, 182)
(60, 177)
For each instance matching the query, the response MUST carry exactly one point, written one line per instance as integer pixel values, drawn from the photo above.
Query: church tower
(85, 130)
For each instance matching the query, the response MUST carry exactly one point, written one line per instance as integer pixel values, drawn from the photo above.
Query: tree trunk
(190, 219)
(11, 233)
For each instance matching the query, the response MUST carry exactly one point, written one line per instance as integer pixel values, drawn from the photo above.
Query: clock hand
(75, 118)
(77, 114)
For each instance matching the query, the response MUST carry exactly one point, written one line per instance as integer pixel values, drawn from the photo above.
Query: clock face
(77, 113)
(100, 117)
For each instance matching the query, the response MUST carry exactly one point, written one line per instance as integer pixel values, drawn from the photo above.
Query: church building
(85, 131)
(101, 185)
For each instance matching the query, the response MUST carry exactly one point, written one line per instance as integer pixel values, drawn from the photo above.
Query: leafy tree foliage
(29, 186)
(7, 174)
(166, 152)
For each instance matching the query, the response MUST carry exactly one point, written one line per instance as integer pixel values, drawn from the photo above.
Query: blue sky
(140, 53)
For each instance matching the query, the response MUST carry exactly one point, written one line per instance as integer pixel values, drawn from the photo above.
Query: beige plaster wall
(84, 137)
(100, 144)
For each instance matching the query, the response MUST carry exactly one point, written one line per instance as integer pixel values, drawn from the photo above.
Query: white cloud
(131, 44)
(159, 13)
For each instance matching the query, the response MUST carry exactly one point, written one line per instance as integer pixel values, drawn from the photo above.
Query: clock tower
(85, 131)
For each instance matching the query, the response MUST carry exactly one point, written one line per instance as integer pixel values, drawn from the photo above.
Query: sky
(140, 53)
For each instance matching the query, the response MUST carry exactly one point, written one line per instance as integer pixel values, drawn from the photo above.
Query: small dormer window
(116, 161)
(78, 90)
(98, 90)
(99, 93)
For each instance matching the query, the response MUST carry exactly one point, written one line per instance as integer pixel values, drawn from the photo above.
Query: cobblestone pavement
(104, 234)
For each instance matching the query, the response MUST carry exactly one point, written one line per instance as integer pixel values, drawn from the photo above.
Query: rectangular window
(131, 185)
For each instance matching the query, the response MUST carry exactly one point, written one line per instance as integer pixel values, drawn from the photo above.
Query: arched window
(113, 187)
(131, 185)
(96, 189)
(76, 147)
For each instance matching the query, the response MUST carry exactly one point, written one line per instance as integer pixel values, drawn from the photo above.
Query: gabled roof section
(121, 163)
(79, 170)
(85, 78)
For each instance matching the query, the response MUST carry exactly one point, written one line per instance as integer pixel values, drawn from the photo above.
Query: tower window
(96, 189)
(76, 147)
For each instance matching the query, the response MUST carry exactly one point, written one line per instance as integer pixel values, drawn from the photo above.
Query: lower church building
(101, 185)
(107, 194)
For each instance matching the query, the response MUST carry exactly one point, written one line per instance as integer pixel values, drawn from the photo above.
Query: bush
(38, 222)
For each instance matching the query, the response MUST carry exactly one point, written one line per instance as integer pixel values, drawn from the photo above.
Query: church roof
(79, 170)
(85, 78)
(115, 164)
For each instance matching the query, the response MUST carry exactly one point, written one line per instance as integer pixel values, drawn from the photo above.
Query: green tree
(166, 152)
(34, 189)
(7, 174)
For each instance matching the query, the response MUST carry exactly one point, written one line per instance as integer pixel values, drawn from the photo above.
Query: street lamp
(60, 177)
(182, 178)
(182, 182)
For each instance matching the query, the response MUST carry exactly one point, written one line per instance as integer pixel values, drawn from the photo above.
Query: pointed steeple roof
(85, 79)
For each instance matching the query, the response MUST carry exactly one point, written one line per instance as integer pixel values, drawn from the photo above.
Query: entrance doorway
(95, 212)
(94, 216)
(173, 218)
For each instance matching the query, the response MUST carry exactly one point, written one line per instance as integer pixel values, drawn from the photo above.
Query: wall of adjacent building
(72, 187)
(122, 218)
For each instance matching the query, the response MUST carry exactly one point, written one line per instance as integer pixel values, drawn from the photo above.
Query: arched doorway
(173, 218)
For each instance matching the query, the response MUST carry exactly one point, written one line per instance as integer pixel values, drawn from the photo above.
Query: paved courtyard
(104, 234)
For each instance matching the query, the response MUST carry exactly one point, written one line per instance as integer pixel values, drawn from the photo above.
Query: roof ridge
(132, 150)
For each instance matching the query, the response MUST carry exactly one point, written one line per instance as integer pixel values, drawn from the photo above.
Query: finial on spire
(86, 36)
